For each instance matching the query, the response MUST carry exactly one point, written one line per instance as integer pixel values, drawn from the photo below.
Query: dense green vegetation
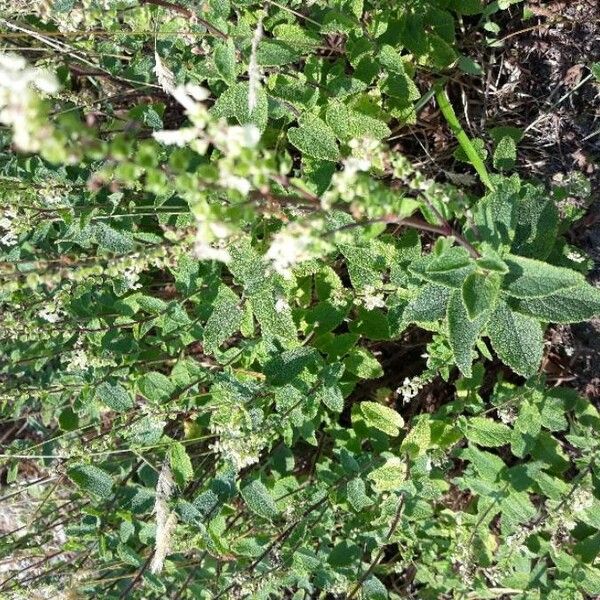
(213, 261)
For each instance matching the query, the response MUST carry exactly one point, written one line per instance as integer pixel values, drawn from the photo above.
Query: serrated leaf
(381, 417)
(114, 395)
(418, 439)
(573, 305)
(350, 124)
(314, 138)
(275, 53)
(363, 364)
(273, 321)
(234, 103)
(225, 61)
(450, 268)
(92, 480)
(463, 332)
(113, 240)
(505, 154)
(180, 463)
(428, 305)
(487, 432)
(156, 387)
(517, 339)
(530, 278)
(357, 496)
(224, 320)
(373, 589)
(480, 292)
(259, 500)
(390, 476)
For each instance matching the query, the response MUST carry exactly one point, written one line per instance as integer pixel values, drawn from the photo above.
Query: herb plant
(214, 263)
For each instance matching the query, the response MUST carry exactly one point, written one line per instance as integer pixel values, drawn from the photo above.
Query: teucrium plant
(255, 352)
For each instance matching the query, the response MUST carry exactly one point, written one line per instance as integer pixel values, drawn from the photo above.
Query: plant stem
(463, 139)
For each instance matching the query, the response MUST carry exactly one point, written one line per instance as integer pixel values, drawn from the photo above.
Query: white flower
(581, 500)
(235, 182)
(231, 140)
(176, 137)
(371, 300)
(204, 251)
(50, 314)
(289, 247)
(281, 305)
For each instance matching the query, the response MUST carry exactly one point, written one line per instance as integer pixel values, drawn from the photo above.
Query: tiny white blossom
(289, 247)
(281, 305)
(165, 519)
(176, 137)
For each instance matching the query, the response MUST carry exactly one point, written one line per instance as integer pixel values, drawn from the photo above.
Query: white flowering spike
(164, 75)
(289, 247)
(165, 520)
(253, 68)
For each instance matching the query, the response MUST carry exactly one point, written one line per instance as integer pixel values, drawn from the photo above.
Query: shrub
(214, 265)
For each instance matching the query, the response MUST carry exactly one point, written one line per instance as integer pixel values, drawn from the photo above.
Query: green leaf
(224, 320)
(381, 417)
(314, 138)
(112, 239)
(180, 463)
(273, 320)
(357, 497)
(92, 480)
(450, 268)
(259, 500)
(363, 364)
(114, 395)
(234, 103)
(480, 292)
(390, 476)
(430, 304)
(487, 432)
(573, 305)
(463, 332)
(373, 589)
(275, 53)
(517, 339)
(156, 387)
(349, 124)
(225, 61)
(505, 154)
(418, 439)
(530, 278)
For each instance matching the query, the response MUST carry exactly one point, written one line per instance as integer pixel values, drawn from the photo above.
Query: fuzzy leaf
(428, 305)
(505, 154)
(357, 497)
(363, 364)
(180, 462)
(479, 293)
(487, 432)
(314, 138)
(114, 396)
(92, 480)
(224, 320)
(349, 124)
(156, 387)
(381, 417)
(113, 240)
(530, 278)
(518, 339)
(463, 331)
(450, 268)
(259, 500)
(225, 61)
(573, 305)
(390, 476)
(234, 103)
